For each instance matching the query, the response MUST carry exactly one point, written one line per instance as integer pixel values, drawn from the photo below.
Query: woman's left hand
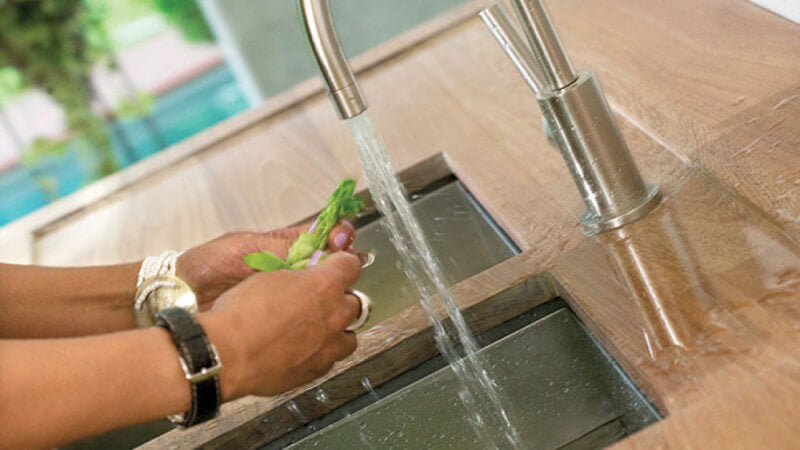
(216, 266)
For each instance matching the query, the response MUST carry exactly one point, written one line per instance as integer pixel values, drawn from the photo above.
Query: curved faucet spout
(342, 86)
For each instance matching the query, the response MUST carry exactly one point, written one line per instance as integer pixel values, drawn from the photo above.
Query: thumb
(343, 265)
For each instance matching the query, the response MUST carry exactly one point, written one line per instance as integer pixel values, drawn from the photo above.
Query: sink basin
(562, 391)
(461, 234)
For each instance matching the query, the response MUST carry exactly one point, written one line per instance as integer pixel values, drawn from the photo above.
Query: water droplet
(322, 396)
(292, 407)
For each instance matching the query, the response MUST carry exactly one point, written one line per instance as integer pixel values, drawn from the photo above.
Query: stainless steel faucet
(342, 85)
(577, 118)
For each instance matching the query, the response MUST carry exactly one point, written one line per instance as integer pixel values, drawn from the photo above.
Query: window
(154, 73)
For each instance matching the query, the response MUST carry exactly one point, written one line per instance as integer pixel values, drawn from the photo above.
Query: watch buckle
(205, 372)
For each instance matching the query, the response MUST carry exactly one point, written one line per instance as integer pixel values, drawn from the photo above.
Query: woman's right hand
(279, 330)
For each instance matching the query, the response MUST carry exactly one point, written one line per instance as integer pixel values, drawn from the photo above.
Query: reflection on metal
(463, 236)
(577, 119)
(562, 387)
(575, 110)
(504, 31)
(544, 43)
(342, 86)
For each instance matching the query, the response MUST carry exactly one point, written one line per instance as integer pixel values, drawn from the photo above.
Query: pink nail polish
(315, 257)
(340, 240)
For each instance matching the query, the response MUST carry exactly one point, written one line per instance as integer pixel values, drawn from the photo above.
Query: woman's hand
(279, 330)
(216, 266)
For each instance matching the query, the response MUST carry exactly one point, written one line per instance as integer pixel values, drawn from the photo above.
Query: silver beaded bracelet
(158, 266)
(158, 288)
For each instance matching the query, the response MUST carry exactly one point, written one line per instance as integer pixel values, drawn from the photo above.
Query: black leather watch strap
(200, 363)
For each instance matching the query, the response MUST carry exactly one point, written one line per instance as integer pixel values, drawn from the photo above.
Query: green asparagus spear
(342, 203)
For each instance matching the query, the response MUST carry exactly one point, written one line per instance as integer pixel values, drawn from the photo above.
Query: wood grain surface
(461, 96)
(714, 82)
(700, 292)
(698, 302)
(18, 238)
(385, 351)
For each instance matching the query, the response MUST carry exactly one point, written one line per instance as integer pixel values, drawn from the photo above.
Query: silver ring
(366, 307)
(370, 260)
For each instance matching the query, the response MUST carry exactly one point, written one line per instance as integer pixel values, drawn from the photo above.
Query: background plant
(54, 45)
(186, 16)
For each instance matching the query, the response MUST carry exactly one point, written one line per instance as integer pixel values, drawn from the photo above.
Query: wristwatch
(200, 363)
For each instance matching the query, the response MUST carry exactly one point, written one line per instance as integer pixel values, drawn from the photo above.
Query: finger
(344, 266)
(324, 363)
(346, 313)
(297, 230)
(341, 236)
(270, 243)
(367, 258)
(344, 346)
(289, 233)
(279, 241)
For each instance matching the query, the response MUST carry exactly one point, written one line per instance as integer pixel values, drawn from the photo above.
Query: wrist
(186, 270)
(220, 332)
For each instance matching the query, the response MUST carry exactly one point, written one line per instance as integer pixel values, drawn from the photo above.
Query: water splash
(783, 288)
(368, 386)
(785, 102)
(479, 395)
(364, 437)
(292, 407)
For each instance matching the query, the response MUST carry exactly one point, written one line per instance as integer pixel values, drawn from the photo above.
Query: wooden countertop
(698, 301)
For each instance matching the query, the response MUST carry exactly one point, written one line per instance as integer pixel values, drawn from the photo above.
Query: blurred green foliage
(138, 106)
(11, 84)
(53, 45)
(187, 17)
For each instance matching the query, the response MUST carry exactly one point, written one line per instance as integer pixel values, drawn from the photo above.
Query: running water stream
(479, 395)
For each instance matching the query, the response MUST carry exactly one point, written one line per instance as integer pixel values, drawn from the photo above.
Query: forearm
(41, 302)
(54, 391)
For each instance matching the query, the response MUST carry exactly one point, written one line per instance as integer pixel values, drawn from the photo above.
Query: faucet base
(580, 122)
(593, 224)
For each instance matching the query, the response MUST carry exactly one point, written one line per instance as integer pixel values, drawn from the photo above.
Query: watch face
(166, 292)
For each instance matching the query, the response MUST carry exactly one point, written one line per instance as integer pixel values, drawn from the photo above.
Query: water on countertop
(704, 270)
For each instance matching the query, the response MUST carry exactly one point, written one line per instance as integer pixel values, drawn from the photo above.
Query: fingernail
(340, 240)
(315, 258)
(366, 259)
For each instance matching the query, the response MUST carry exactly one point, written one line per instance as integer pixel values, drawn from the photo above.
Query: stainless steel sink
(563, 391)
(460, 233)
